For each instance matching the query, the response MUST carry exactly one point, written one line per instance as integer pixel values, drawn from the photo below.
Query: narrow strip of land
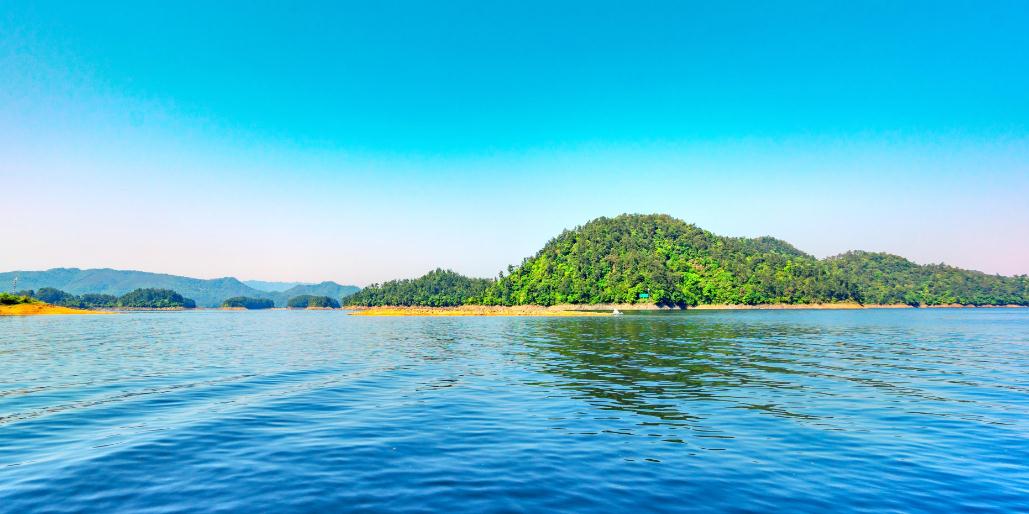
(42, 309)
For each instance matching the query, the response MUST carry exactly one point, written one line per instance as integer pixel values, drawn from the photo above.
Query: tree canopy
(246, 302)
(155, 299)
(659, 259)
(437, 288)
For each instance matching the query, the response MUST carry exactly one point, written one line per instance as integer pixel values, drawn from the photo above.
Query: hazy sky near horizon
(359, 142)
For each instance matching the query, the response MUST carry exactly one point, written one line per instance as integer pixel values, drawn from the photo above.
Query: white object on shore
(616, 312)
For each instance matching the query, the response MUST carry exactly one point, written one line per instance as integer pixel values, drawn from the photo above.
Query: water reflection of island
(679, 369)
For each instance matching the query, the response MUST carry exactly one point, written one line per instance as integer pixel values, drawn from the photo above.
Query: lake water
(907, 410)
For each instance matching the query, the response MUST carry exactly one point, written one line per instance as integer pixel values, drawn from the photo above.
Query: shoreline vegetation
(637, 261)
(777, 306)
(138, 299)
(24, 305)
(632, 262)
(474, 310)
(581, 310)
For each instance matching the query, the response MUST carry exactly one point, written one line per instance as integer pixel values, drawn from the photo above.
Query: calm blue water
(906, 410)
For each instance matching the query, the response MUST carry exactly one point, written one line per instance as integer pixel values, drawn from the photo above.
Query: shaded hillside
(660, 259)
(437, 288)
(206, 292)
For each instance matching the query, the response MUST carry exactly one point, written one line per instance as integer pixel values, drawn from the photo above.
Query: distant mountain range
(206, 292)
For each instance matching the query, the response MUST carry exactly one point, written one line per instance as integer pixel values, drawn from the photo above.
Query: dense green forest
(437, 288)
(248, 303)
(155, 299)
(311, 301)
(663, 260)
(138, 299)
(657, 258)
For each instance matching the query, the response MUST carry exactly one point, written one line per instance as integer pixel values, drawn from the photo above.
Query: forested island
(437, 288)
(312, 302)
(137, 299)
(660, 260)
(245, 302)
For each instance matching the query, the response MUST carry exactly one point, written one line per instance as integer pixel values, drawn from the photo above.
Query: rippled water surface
(911, 410)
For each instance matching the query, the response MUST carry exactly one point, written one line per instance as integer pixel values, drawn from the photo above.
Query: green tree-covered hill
(312, 302)
(244, 302)
(155, 299)
(437, 288)
(660, 259)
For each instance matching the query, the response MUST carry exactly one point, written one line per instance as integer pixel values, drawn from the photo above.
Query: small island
(312, 302)
(247, 303)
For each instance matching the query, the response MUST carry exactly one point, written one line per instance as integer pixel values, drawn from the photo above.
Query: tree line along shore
(657, 261)
(633, 262)
(54, 301)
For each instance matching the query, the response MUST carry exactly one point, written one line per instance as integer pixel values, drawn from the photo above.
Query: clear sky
(362, 141)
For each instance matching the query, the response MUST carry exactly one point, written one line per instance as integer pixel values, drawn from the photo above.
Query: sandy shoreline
(42, 309)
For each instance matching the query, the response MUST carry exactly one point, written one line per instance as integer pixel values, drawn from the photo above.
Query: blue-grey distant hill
(206, 292)
(275, 287)
(328, 288)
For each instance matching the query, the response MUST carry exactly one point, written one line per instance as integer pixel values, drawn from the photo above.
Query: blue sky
(377, 140)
